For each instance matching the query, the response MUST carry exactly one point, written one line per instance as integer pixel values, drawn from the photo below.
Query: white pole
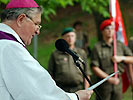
(113, 8)
(100, 82)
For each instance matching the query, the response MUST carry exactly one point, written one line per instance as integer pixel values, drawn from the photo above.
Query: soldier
(62, 66)
(102, 64)
(81, 38)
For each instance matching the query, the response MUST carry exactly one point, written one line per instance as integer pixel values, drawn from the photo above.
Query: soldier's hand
(84, 94)
(114, 80)
(118, 58)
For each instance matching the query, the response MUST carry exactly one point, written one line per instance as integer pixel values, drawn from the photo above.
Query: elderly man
(102, 64)
(21, 76)
(62, 66)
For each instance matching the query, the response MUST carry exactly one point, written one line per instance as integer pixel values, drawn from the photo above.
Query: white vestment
(22, 77)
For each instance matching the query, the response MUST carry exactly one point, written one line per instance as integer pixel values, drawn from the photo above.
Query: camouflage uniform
(130, 44)
(64, 71)
(81, 41)
(102, 58)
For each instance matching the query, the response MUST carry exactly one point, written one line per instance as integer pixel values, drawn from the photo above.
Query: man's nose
(37, 30)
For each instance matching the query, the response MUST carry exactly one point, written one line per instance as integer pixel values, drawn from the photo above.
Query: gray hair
(13, 13)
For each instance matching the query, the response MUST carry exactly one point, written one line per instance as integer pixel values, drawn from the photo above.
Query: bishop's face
(30, 27)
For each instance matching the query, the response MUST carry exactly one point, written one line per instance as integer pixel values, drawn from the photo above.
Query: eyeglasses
(34, 22)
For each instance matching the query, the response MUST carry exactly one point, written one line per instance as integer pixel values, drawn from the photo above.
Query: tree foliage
(99, 6)
(4, 1)
(50, 6)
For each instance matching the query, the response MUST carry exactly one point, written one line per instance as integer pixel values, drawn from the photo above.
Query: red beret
(107, 23)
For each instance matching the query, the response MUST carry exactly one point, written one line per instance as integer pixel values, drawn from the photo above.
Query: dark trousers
(110, 92)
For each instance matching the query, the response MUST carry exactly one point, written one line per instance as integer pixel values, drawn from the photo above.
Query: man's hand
(118, 59)
(114, 80)
(84, 94)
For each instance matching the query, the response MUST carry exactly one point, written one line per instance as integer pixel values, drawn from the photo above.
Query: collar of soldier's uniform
(105, 44)
(74, 49)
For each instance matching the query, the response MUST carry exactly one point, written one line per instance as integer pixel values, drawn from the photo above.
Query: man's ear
(102, 32)
(20, 19)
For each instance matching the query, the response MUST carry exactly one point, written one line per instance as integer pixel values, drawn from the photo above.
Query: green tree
(50, 6)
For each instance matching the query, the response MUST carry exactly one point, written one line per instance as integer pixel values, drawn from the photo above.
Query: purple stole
(4, 35)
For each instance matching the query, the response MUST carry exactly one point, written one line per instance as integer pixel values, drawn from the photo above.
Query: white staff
(100, 82)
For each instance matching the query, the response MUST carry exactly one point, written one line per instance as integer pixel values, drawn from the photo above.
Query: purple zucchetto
(22, 4)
